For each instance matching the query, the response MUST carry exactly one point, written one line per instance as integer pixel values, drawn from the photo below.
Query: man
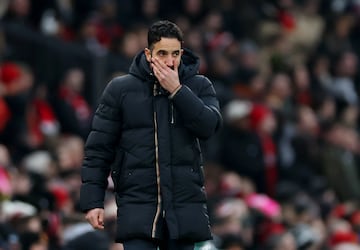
(146, 131)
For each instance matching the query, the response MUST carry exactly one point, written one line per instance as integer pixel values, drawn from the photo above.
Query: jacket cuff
(171, 96)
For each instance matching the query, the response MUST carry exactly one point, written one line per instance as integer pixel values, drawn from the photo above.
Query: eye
(161, 53)
(176, 53)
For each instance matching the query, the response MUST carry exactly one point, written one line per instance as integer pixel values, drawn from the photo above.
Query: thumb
(101, 217)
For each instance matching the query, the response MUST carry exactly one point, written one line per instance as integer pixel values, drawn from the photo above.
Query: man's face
(167, 50)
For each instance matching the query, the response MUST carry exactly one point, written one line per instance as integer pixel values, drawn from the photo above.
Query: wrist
(175, 90)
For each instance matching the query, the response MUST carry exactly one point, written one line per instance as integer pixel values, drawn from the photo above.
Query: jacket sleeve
(99, 150)
(200, 112)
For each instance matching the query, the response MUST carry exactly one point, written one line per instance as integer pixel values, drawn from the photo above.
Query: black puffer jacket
(150, 143)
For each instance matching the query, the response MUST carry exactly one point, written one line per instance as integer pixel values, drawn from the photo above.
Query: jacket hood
(189, 66)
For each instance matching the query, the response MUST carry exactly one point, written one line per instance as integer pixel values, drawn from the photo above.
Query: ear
(147, 54)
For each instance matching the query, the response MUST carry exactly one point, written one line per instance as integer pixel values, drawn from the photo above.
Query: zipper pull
(172, 114)
(155, 89)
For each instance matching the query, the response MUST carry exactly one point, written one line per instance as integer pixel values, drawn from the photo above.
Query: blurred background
(282, 174)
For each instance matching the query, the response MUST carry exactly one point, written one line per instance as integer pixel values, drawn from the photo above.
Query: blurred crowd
(282, 174)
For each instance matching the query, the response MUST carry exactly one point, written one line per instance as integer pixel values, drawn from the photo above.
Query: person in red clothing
(264, 124)
(4, 114)
(71, 107)
(8, 73)
(14, 78)
(43, 124)
(15, 82)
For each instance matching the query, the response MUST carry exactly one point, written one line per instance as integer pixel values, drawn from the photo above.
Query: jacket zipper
(158, 207)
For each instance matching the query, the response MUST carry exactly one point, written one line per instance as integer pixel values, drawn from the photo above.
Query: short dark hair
(161, 29)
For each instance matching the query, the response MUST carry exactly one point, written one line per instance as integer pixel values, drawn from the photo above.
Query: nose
(169, 61)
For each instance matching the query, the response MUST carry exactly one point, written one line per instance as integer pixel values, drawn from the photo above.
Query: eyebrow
(166, 52)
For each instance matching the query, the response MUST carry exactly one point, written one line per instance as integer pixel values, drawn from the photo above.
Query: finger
(155, 69)
(157, 72)
(161, 65)
(96, 224)
(92, 220)
(96, 219)
(99, 226)
(101, 219)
